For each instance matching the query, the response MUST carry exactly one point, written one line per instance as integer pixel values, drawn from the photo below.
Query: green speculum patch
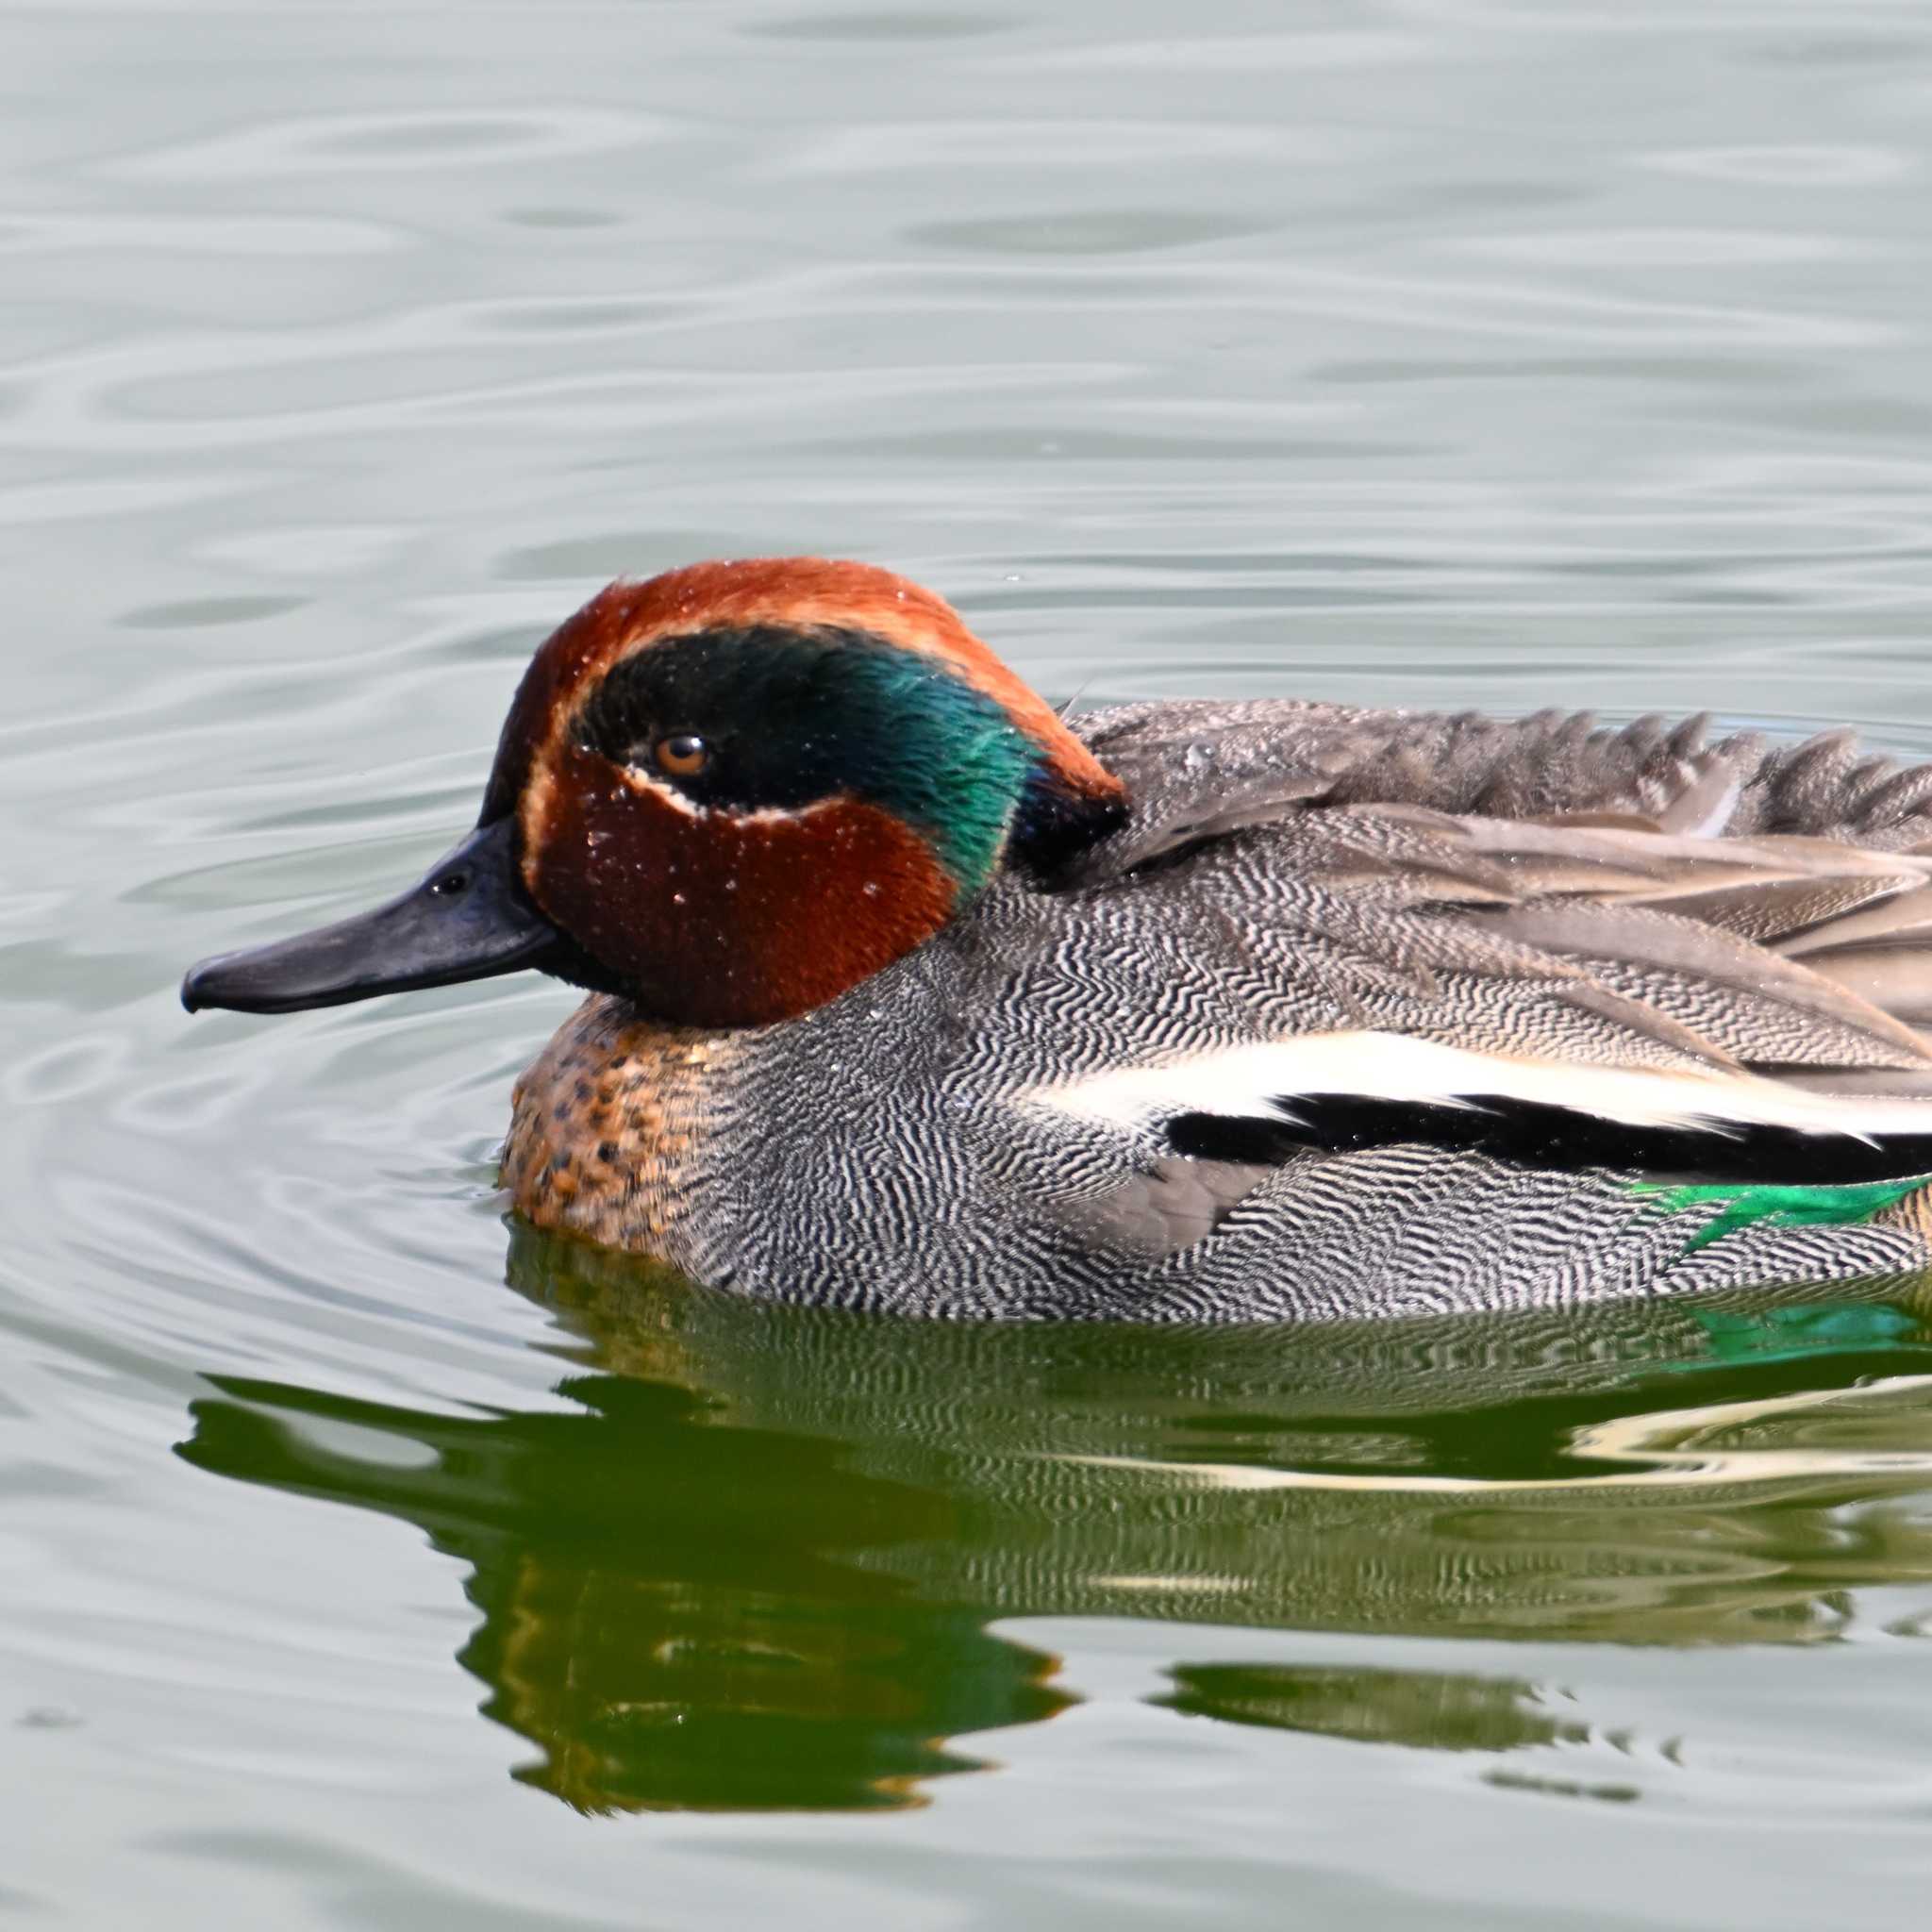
(1846, 1206)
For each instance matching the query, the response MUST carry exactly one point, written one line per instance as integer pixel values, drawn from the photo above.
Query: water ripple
(397, 142)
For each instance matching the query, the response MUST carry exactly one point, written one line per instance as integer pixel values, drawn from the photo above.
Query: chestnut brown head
(729, 794)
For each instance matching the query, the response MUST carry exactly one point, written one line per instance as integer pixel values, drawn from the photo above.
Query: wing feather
(1415, 918)
(1193, 767)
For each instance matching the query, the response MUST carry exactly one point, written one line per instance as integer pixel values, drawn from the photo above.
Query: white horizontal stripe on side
(1266, 1078)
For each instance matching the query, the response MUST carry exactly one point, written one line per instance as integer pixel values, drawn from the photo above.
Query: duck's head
(729, 794)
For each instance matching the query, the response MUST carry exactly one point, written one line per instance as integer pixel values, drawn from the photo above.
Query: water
(359, 1565)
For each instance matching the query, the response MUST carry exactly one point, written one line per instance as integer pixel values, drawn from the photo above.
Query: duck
(908, 993)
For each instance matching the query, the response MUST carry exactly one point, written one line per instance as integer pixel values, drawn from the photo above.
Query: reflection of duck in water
(909, 995)
(758, 1564)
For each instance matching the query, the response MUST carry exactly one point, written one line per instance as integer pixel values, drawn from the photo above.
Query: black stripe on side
(1532, 1134)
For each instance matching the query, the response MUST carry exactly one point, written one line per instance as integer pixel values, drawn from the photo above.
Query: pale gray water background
(1449, 352)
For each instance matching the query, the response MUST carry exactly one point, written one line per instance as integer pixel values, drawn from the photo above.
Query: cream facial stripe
(637, 779)
(1264, 1080)
(640, 780)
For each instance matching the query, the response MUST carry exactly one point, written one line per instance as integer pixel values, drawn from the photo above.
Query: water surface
(361, 1564)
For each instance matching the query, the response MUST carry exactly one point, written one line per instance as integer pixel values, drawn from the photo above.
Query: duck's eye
(681, 754)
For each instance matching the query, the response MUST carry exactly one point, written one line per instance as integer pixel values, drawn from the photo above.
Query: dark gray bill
(469, 919)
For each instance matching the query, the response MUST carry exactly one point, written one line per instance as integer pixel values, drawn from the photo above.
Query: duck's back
(1201, 760)
(1361, 1012)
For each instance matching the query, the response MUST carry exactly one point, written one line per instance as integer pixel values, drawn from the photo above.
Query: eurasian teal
(906, 992)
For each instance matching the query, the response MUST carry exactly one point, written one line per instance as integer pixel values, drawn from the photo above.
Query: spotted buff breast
(905, 993)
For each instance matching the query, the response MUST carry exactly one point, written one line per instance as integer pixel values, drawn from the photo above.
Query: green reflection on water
(757, 1563)
(1436, 1710)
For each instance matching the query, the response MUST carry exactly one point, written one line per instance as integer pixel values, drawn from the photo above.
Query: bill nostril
(448, 885)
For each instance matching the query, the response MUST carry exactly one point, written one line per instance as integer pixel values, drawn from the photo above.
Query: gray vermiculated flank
(1610, 898)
